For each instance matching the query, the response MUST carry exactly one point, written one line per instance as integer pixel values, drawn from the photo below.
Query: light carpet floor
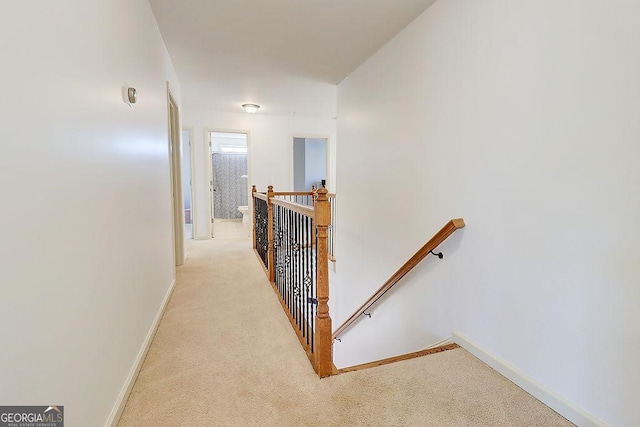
(226, 355)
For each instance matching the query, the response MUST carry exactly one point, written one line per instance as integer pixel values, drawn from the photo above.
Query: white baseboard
(440, 343)
(559, 404)
(116, 412)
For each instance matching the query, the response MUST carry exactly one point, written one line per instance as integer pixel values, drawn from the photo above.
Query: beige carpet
(225, 355)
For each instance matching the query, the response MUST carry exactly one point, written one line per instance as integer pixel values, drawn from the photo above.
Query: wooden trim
(323, 350)
(433, 243)
(270, 253)
(399, 358)
(322, 357)
(296, 207)
(293, 193)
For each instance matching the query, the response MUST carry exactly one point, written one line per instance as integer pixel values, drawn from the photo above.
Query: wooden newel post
(270, 252)
(253, 222)
(323, 341)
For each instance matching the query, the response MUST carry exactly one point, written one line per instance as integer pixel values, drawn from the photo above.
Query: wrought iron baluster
(303, 291)
(299, 293)
(288, 260)
(308, 285)
(261, 221)
(284, 256)
(310, 280)
(292, 216)
(276, 244)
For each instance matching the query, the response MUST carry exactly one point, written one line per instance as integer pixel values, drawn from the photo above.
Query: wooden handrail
(433, 243)
(292, 193)
(296, 207)
(261, 196)
(320, 349)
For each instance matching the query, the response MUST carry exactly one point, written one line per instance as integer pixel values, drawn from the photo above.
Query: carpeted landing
(226, 355)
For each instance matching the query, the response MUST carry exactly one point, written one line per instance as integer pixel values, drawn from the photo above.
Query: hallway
(225, 355)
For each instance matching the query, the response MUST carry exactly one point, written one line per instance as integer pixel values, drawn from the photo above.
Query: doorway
(229, 184)
(309, 163)
(186, 184)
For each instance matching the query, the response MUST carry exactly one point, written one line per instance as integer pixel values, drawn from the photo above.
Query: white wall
(86, 247)
(270, 151)
(310, 163)
(315, 167)
(521, 117)
(299, 153)
(186, 169)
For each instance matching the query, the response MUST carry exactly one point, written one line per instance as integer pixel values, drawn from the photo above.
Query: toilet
(244, 210)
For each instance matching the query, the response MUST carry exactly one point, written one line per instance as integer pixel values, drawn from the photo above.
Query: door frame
(208, 144)
(177, 201)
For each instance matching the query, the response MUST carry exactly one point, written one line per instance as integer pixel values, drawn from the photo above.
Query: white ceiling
(286, 55)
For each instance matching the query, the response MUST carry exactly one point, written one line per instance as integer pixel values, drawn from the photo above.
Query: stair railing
(291, 241)
(422, 253)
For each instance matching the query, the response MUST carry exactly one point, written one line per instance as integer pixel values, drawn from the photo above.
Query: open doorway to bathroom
(229, 184)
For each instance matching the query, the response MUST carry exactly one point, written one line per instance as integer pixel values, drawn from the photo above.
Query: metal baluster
(281, 233)
(294, 299)
(280, 261)
(301, 296)
(303, 289)
(289, 289)
(306, 285)
(310, 231)
(297, 283)
(276, 243)
(294, 284)
(309, 289)
(284, 257)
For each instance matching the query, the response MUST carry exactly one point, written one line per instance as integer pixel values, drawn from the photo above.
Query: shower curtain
(229, 185)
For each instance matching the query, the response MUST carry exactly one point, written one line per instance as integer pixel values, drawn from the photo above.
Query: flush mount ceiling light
(250, 108)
